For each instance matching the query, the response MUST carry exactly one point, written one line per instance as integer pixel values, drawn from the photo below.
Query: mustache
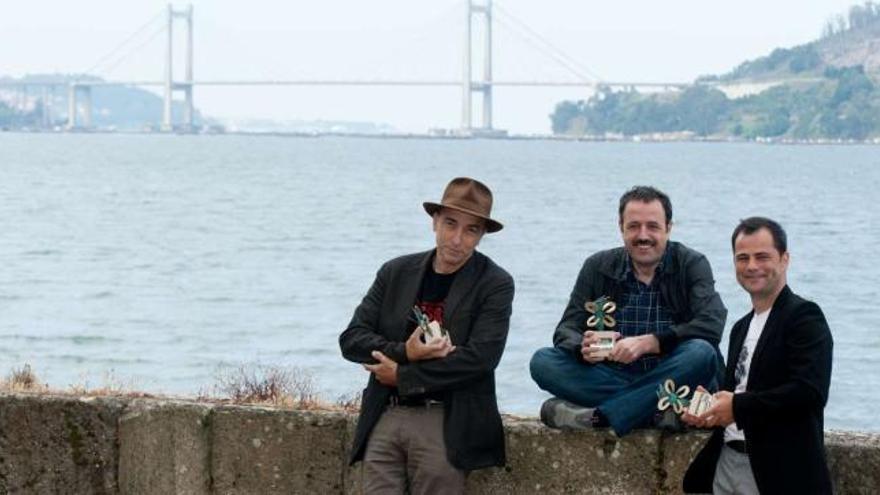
(644, 242)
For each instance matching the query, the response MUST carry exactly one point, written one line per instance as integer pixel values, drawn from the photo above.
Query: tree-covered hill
(826, 89)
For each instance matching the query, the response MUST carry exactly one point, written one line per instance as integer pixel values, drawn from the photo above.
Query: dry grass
(22, 380)
(111, 385)
(350, 403)
(260, 384)
(25, 380)
(290, 387)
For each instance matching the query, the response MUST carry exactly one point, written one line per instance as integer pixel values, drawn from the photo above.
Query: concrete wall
(60, 444)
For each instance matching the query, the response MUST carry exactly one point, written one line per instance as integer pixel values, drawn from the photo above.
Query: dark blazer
(477, 315)
(781, 411)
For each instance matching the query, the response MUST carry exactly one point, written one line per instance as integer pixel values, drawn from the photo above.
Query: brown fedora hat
(469, 196)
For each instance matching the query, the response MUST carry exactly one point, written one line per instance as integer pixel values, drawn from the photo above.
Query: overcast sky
(622, 40)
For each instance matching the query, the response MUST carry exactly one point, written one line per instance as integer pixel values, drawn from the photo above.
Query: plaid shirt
(641, 312)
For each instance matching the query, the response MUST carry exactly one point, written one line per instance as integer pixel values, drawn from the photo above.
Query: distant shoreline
(501, 136)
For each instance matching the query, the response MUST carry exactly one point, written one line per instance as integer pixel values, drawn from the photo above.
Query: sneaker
(669, 421)
(564, 415)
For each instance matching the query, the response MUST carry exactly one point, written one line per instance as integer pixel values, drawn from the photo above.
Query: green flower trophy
(600, 318)
(668, 396)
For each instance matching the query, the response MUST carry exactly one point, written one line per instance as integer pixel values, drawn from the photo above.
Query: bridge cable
(549, 48)
(582, 76)
(127, 40)
(131, 52)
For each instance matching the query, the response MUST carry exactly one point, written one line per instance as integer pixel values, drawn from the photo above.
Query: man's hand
(416, 350)
(590, 353)
(629, 349)
(698, 421)
(721, 412)
(385, 370)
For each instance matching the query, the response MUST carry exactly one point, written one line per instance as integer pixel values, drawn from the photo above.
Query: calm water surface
(161, 259)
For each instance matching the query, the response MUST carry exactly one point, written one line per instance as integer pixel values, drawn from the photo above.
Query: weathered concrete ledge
(62, 444)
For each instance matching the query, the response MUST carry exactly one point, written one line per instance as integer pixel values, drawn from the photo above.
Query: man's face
(458, 234)
(645, 232)
(760, 269)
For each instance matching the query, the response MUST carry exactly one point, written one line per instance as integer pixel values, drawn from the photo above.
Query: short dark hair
(646, 194)
(753, 224)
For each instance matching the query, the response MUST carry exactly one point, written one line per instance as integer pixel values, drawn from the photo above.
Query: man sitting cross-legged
(669, 323)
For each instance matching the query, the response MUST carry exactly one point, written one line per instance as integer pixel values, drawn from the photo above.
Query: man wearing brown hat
(428, 414)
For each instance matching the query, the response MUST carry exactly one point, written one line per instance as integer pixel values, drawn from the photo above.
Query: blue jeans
(625, 394)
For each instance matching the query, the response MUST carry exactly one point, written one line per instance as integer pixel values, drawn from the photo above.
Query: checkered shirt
(641, 311)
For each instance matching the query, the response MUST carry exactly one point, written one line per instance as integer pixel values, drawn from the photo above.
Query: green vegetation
(781, 61)
(844, 104)
(816, 92)
(699, 109)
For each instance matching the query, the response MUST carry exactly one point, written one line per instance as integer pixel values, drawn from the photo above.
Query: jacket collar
(775, 312)
(739, 338)
(616, 265)
(461, 286)
(464, 279)
(782, 298)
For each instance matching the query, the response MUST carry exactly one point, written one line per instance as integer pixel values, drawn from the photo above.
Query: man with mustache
(768, 419)
(669, 323)
(429, 414)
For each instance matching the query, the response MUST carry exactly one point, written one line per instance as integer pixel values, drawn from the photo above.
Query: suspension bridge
(476, 83)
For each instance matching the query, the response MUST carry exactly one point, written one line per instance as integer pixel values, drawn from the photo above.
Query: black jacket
(477, 315)
(781, 411)
(687, 289)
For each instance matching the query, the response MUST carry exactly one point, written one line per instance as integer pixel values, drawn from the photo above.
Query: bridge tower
(469, 86)
(186, 86)
(76, 90)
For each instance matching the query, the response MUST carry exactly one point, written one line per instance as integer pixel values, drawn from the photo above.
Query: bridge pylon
(187, 84)
(76, 90)
(469, 86)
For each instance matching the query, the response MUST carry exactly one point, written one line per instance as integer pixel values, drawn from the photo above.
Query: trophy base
(700, 403)
(605, 344)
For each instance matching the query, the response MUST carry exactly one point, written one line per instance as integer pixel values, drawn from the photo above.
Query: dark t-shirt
(431, 300)
(432, 293)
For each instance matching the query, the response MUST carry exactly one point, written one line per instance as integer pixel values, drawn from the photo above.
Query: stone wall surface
(164, 448)
(263, 450)
(854, 461)
(541, 460)
(58, 444)
(64, 444)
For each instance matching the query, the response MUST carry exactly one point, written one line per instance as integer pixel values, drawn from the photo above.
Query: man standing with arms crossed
(768, 418)
(429, 412)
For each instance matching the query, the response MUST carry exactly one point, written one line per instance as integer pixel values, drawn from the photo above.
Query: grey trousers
(733, 474)
(406, 454)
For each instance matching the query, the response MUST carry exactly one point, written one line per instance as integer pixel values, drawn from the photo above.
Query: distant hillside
(119, 107)
(846, 42)
(825, 89)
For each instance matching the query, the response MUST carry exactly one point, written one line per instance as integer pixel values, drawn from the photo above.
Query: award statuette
(668, 397)
(700, 402)
(600, 318)
(432, 329)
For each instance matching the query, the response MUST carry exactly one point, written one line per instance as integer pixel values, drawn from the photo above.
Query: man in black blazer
(429, 412)
(768, 418)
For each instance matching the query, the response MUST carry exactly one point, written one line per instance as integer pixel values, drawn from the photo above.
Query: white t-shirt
(743, 363)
